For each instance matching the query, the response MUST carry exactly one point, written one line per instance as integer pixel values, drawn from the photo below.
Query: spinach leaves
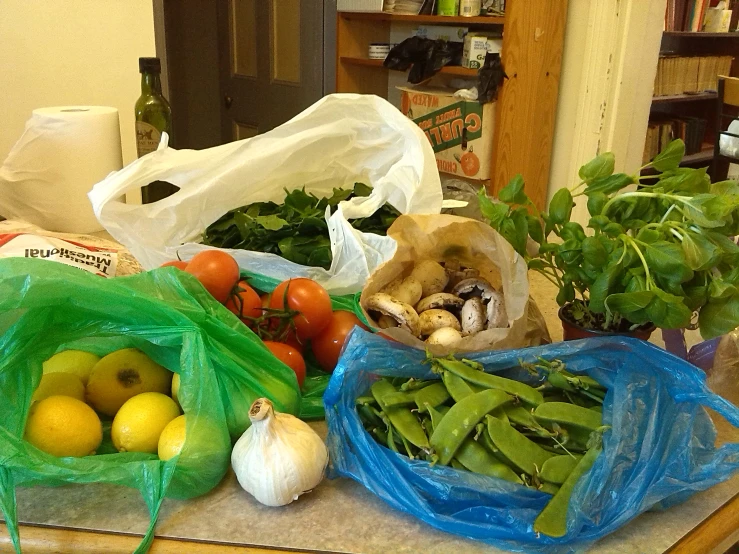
(295, 229)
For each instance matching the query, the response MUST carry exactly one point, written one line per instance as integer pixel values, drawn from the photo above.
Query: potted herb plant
(655, 254)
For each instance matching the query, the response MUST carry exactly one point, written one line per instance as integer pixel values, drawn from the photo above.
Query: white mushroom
(386, 322)
(462, 274)
(409, 290)
(401, 312)
(442, 300)
(431, 320)
(474, 287)
(473, 316)
(497, 316)
(431, 275)
(446, 336)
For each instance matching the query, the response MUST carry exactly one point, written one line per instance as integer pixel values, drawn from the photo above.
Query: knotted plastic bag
(660, 448)
(47, 307)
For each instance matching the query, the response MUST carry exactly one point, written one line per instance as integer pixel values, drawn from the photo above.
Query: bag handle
(153, 487)
(8, 507)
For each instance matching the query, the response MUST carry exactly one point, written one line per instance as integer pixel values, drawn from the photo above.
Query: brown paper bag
(474, 244)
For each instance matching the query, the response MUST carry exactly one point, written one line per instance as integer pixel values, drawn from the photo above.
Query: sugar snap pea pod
(556, 470)
(520, 415)
(457, 387)
(597, 408)
(405, 423)
(391, 439)
(549, 488)
(433, 396)
(456, 465)
(398, 398)
(436, 415)
(501, 414)
(415, 384)
(365, 400)
(477, 459)
(568, 416)
(367, 415)
(461, 420)
(523, 453)
(381, 435)
(552, 520)
(527, 394)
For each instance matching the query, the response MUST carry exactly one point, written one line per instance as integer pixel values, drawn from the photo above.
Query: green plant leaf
(668, 311)
(594, 252)
(513, 192)
(613, 230)
(536, 231)
(637, 283)
(648, 235)
(560, 208)
(719, 317)
(700, 252)
(515, 230)
(695, 296)
(720, 289)
(598, 222)
(687, 180)
(725, 187)
(566, 294)
(670, 157)
(608, 185)
(626, 302)
(601, 288)
(664, 258)
(572, 230)
(494, 212)
(270, 222)
(536, 264)
(596, 202)
(570, 251)
(597, 168)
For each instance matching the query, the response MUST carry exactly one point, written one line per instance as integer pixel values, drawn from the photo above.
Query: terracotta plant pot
(572, 331)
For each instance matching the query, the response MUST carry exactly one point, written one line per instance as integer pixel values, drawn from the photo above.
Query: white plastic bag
(341, 139)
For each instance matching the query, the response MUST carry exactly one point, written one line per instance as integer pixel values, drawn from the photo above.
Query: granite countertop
(340, 515)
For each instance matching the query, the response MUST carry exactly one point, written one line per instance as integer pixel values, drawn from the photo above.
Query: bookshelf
(533, 39)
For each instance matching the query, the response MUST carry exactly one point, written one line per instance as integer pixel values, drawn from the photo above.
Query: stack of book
(678, 75)
(660, 132)
(688, 15)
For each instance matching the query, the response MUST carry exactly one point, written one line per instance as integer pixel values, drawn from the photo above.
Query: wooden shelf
(447, 70)
(690, 97)
(705, 155)
(692, 34)
(435, 19)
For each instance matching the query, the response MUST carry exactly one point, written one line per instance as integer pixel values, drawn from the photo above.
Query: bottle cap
(150, 65)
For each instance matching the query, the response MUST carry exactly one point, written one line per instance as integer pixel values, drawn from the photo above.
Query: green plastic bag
(46, 307)
(316, 380)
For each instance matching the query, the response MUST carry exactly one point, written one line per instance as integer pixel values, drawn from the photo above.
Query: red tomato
(245, 302)
(290, 357)
(328, 343)
(216, 270)
(179, 264)
(307, 297)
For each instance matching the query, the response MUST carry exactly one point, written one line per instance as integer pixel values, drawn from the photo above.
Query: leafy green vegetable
(656, 254)
(295, 229)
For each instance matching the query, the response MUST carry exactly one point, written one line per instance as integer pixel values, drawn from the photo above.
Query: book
(689, 74)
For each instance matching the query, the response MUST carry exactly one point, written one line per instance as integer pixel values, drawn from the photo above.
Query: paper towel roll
(62, 153)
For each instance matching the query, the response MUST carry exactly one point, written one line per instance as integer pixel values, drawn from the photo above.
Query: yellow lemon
(59, 384)
(176, 387)
(76, 362)
(141, 420)
(122, 375)
(64, 426)
(172, 439)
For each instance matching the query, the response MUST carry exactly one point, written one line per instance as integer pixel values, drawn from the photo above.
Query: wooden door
(270, 62)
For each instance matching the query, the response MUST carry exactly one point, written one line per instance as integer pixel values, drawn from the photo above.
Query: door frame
(608, 70)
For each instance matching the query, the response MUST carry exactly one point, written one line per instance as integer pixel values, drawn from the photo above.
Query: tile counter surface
(339, 516)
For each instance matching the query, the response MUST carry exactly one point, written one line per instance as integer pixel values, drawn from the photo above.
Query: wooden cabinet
(533, 36)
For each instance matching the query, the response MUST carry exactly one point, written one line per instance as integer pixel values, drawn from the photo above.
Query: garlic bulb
(279, 457)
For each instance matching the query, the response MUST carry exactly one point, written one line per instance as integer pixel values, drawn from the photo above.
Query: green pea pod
(501, 414)
(556, 470)
(527, 394)
(523, 453)
(457, 387)
(436, 416)
(552, 520)
(367, 415)
(456, 465)
(598, 409)
(477, 459)
(518, 415)
(413, 384)
(381, 434)
(361, 400)
(398, 398)
(549, 488)
(559, 381)
(405, 423)
(433, 396)
(461, 420)
(568, 416)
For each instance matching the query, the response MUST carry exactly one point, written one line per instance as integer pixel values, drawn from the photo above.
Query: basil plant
(655, 253)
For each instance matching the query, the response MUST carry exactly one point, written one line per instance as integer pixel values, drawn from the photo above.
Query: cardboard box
(443, 32)
(476, 46)
(460, 131)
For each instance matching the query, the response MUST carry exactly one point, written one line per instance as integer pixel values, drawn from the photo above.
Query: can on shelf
(470, 8)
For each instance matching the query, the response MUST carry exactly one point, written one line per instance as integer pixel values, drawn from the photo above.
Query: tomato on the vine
(216, 270)
(245, 302)
(179, 264)
(307, 297)
(328, 343)
(290, 357)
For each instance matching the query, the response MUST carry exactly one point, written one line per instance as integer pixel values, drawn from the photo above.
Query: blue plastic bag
(660, 448)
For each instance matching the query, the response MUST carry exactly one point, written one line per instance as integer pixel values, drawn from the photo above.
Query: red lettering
(473, 122)
(446, 166)
(457, 126)
(435, 133)
(446, 132)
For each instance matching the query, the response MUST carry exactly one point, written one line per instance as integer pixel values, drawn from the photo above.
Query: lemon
(172, 439)
(122, 375)
(76, 362)
(64, 426)
(176, 387)
(141, 420)
(59, 384)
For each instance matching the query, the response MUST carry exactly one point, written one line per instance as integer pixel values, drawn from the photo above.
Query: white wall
(71, 52)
